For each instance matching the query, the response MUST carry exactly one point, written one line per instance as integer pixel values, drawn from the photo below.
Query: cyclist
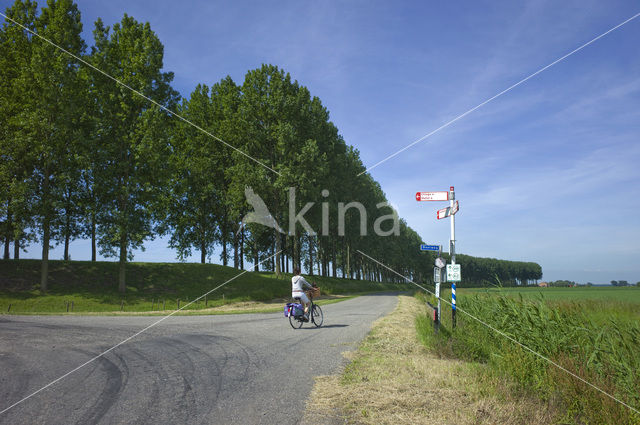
(298, 283)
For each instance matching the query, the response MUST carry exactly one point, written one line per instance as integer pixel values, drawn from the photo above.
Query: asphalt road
(232, 369)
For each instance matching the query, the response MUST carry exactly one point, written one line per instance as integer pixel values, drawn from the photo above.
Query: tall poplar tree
(133, 140)
(48, 116)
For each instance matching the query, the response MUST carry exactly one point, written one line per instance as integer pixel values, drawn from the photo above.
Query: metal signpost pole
(452, 198)
(438, 290)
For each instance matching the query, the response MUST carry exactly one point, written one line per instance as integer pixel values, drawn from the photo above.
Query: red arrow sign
(432, 196)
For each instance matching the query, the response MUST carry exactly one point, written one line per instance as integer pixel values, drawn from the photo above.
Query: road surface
(231, 369)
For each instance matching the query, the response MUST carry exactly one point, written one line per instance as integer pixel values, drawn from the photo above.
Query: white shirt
(298, 282)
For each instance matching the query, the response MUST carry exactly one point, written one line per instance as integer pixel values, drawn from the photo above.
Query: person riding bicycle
(298, 283)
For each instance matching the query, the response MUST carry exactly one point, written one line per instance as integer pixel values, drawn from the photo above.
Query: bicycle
(315, 314)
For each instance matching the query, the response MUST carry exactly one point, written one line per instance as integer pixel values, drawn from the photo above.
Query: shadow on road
(327, 326)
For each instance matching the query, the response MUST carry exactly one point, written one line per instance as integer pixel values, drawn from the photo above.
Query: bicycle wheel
(316, 316)
(295, 322)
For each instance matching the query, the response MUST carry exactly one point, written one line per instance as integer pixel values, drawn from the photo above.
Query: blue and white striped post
(453, 305)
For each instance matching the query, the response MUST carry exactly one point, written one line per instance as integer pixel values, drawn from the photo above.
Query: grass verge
(393, 378)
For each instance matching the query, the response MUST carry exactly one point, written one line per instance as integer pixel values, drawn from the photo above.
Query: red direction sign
(446, 212)
(432, 196)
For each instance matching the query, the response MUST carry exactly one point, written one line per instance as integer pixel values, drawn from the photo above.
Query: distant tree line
(479, 271)
(84, 157)
(621, 283)
(563, 283)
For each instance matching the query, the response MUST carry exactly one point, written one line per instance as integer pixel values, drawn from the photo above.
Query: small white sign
(446, 212)
(432, 196)
(436, 275)
(454, 273)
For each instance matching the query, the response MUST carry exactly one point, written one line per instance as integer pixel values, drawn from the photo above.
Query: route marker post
(453, 204)
(453, 269)
(437, 279)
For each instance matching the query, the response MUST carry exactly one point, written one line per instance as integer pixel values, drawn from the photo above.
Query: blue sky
(548, 172)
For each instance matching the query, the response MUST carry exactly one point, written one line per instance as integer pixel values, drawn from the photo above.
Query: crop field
(600, 304)
(599, 293)
(593, 332)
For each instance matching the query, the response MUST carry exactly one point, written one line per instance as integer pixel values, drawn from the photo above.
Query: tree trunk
(318, 255)
(44, 271)
(225, 254)
(284, 258)
(122, 264)
(66, 245)
(16, 249)
(67, 231)
(348, 261)
(93, 236)
(242, 249)
(310, 256)
(8, 231)
(203, 252)
(333, 259)
(46, 234)
(278, 253)
(272, 261)
(256, 263)
(8, 234)
(235, 251)
(7, 241)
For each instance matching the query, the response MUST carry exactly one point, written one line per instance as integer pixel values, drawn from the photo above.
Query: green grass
(593, 332)
(92, 286)
(601, 303)
(598, 293)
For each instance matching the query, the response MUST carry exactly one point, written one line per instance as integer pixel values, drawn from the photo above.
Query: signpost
(452, 243)
(432, 196)
(453, 273)
(425, 247)
(437, 279)
(453, 269)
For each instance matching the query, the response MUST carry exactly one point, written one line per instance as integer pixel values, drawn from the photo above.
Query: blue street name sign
(425, 247)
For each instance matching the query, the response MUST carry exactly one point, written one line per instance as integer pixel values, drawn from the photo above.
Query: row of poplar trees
(84, 156)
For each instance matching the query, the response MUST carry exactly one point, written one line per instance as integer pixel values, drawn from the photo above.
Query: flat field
(593, 332)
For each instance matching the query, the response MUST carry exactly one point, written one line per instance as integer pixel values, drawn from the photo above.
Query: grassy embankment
(593, 332)
(155, 287)
(394, 379)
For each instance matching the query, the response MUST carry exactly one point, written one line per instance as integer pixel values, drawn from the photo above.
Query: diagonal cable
(510, 338)
(447, 124)
(129, 338)
(139, 94)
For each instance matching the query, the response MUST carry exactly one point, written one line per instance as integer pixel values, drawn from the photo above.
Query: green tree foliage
(134, 138)
(44, 81)
(15, 57)
(84, 156)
